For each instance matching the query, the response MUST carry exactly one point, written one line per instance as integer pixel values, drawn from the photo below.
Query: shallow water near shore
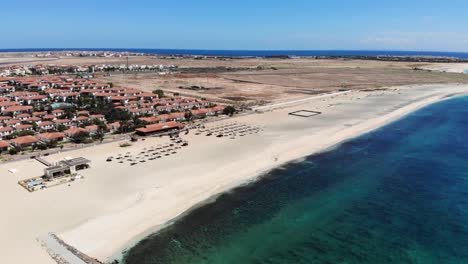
(396, 195)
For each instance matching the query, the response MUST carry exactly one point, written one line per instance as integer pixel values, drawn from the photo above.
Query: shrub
(229, 110)
(159, 92)
(80, 137)
(13, 151)
(42, 146)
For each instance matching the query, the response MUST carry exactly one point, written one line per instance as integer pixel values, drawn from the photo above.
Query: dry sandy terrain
(117, 204)
(280, 80)
(292, 79)
(448, 67)
(7, 59)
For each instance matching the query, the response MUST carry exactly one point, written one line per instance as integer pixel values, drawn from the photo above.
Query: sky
(429, 25)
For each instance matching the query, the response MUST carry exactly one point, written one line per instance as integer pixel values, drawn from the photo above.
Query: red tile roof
(5, 129)
(60, 121)
(33, 119)
(23, 126)
(39, 113)
(82, 118)
(24, 140)
(82, 113)
(13, 121)
(48, 117)
(4, 144)
(55, 135)
(74, 131)
(45, 123)
(160, 127)
(92, 128)
(8, 103)
(18, 108)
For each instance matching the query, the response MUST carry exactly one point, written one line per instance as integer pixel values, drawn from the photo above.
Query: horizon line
(197, 49)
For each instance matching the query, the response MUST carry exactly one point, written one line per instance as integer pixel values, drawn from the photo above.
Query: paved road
(58, 251)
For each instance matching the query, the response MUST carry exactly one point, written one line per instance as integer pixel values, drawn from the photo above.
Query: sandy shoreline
(261, 172)
(116, 205)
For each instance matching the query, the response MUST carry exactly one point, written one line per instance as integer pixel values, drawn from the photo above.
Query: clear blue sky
(433, 25)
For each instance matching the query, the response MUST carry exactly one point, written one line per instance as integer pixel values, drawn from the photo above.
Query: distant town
(85, 71)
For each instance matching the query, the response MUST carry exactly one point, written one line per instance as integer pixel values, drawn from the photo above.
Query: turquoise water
(465, 71)
(396, 195)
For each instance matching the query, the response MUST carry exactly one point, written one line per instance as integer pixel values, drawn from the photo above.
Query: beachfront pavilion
(67, 167)
(160, 128)
(56, 171)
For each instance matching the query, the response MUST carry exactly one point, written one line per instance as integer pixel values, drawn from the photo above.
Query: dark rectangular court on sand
(305, 113)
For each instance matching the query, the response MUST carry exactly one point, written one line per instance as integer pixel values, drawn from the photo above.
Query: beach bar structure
(66, 167)
(160, 128)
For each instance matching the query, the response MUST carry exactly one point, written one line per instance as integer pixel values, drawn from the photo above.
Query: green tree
(25, 133)
(13, 151)
(188, 116)
(69, 112)
(229, 110)
(159, 92)
(61, 128)
(42, 146)
(80, 137)
(52, 144)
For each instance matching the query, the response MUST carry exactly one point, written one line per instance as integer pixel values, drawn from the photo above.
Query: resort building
(4, 145)
(51, 137)
(160, 128)
(23, 142)
(19, 109)
(38, 105)
(20, 128)
(5, 131)
(75, 131)
(45, 125)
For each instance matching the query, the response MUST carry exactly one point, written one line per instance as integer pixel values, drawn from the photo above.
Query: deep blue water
(396, 195)
(263, 52)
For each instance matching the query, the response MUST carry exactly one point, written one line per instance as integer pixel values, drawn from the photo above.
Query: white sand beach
(117, 204)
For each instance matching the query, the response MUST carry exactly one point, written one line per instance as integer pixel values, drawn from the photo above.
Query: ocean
(395, 195)
(260, 53)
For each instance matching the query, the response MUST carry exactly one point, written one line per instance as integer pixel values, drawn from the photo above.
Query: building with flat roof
(67, 167)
